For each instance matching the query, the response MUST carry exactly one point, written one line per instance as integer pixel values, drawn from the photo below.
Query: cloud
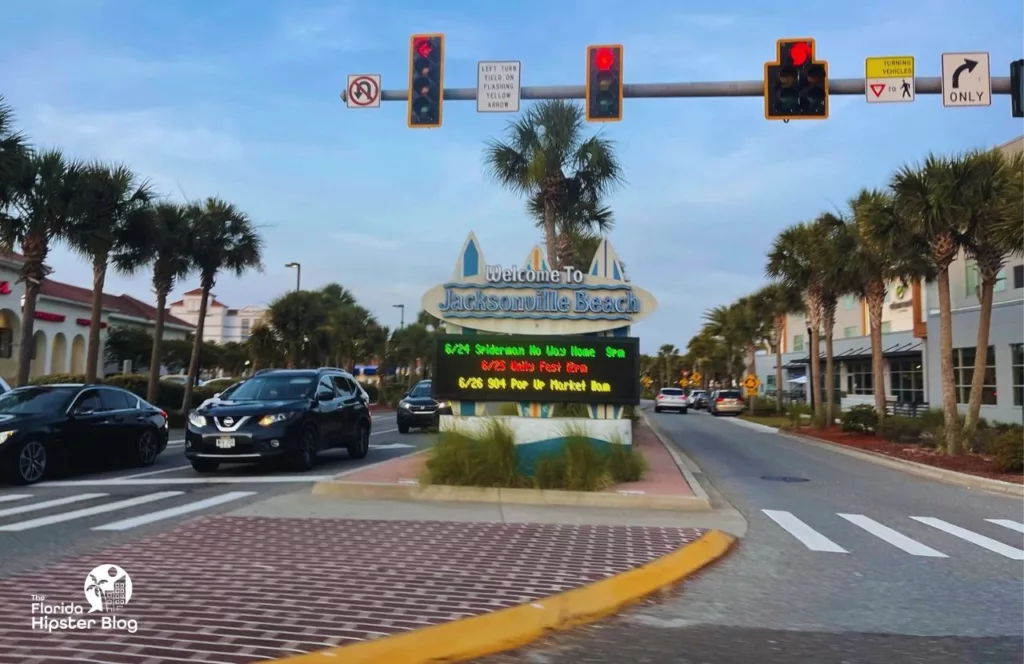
(361, 240)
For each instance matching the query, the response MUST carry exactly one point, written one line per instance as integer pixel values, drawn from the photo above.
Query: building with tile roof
(223, 324)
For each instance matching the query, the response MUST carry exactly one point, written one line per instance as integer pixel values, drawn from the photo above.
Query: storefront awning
(910, 349)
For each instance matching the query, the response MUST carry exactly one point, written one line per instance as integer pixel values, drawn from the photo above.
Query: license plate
(225, 443)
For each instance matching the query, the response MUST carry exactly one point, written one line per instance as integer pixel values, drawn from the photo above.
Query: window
(859, 378)
(973, 280)
(886, 327)
(6, 342)
(1017, 364)
(798, 342)
(851, 331)
(907, 381)
(963, 374)
(89, 402)
(344, 387)
(1018, 276)
(115, 400)
(326, 387)
(849, 302)
(245, 328)
(422, 390)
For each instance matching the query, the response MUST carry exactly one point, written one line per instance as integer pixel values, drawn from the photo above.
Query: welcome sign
(535, 299)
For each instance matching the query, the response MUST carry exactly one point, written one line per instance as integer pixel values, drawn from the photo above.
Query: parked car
(180, 379)
(726, 402)
(419, 410)
(43, 426)
(288, 415)
(671, 398)
(698, 400)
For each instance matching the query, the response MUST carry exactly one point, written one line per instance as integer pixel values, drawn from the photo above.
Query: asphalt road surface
(844, 561)
(80, 513)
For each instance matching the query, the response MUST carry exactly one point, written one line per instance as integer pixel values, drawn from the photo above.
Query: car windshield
(36, 400)
(421, 391)
(700, 393)
(729, 394)
(672, 391)
(230, 391)
(275, 388)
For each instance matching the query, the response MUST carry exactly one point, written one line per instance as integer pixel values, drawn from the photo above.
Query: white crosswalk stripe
(47, 504)
(171, 512)
(88, 511)
(11, 497)
(815, 541)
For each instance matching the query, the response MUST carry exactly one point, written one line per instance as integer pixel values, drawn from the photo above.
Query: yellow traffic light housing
(426, 81)
(796, 84)
(604, 83)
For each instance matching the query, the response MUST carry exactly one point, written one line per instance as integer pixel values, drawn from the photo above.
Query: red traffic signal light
(795, 84)
(604, 58)
(422, 47)
(604, 83)
(426, 81)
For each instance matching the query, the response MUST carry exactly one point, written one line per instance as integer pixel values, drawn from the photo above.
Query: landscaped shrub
(625, 464)
(1008, 450)
(899, 429)
(58, 378)
(798, 412)
(765, 407)
(487, 459)
(860, 419)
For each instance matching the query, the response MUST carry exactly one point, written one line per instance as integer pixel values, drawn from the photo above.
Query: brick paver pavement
(231, 589)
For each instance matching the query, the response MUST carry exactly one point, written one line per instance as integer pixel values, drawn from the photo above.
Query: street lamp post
(298, 274)
(401, 320)
(810, 369)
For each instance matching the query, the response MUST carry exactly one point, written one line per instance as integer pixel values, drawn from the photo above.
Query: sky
(240, 99)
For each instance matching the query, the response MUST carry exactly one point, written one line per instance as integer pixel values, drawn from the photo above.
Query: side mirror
(324, 396)
(217, 396)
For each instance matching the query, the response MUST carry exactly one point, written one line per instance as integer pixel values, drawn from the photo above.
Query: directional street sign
(696, 378)
(363, 91)
(751, 382)
(966, 79)
(751, 391)
(498, 87)
(889, 79)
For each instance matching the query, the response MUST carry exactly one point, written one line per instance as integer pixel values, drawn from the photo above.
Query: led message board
(555, 369)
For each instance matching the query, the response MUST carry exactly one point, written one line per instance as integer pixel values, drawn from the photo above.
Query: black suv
(420, 410)
(286, 414)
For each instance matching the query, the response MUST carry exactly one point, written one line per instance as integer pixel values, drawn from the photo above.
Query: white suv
(671, 398)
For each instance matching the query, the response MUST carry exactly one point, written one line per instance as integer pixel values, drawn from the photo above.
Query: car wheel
(361, 447)
(304, 456)
(682, 412)
(403, 428)
(657, 410)
(31, 464)
(146, 449)
(205, 465)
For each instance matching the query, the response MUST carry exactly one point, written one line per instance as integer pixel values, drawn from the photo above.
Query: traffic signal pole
(927, 85)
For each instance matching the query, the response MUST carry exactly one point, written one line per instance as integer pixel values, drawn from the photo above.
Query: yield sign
(878, 88)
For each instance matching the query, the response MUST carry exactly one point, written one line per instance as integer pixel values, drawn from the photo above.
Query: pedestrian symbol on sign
(906, 89)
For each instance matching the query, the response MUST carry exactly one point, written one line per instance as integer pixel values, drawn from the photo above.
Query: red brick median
(242, 589)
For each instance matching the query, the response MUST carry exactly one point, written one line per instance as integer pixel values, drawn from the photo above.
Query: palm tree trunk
(92, 356)
(197, 346)
(988, 287)
(952, 417)
(875, 306)
(830, 380)
(156, 356)
(28, 319)
(814, 310)
(550, 235)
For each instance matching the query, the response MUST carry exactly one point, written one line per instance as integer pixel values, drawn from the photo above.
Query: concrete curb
(680, 460)
(914, 468)
(479, 636)
(763, 428)
(334, 488)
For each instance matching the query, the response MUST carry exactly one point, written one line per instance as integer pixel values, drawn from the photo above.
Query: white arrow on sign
(392, 446)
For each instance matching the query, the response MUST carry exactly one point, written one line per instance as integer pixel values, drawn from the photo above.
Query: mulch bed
(972, 464)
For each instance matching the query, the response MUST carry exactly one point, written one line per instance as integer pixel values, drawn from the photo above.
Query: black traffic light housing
(796, 84)
(1017, 88)
(604, 83)
(426, 81)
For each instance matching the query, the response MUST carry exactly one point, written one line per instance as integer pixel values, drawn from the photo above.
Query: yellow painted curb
(467, 494)
(511, 628)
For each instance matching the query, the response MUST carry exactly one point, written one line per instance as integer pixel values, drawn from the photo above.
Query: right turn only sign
(966, 79)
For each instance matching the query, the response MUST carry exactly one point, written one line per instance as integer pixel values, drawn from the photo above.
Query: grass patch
(488, 459)
(777, 421)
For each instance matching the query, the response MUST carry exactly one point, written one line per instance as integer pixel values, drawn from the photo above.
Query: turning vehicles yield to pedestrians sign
(889, 79)
(966, 79)
(363, 91)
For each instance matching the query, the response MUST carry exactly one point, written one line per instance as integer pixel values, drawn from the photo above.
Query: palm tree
(777, 301)
(263, 346)
(667, 357)
(224, 239)
(881, 256)
(993, 199)
(794, 261)
(836, 241)
(166, 242)
(111, 207)
(42, 192)
(13, 153)
(929, 204)
(548, 159)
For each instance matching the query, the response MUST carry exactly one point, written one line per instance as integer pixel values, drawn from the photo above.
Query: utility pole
(401, 320)
(298, 274)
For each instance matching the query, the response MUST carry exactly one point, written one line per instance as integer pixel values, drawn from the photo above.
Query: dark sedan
(419, 410)
(286, 415)
(45, 426)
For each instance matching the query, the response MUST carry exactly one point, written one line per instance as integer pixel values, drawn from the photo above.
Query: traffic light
(604, 83)
(426, 81)
(795, 85)
(1017, 88)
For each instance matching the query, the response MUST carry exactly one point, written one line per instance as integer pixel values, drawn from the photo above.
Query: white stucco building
(223, 324)
(62, 322)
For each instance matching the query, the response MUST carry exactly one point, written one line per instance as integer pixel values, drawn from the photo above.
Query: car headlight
(442, 404)
(196, 420)
(268, 420)
(5, 435)
(403, 404)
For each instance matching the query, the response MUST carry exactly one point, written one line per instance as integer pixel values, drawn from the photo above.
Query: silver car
(726, 402)
(671, 398)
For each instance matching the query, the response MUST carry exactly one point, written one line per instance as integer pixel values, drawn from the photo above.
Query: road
(844, 561)
(80, 513)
